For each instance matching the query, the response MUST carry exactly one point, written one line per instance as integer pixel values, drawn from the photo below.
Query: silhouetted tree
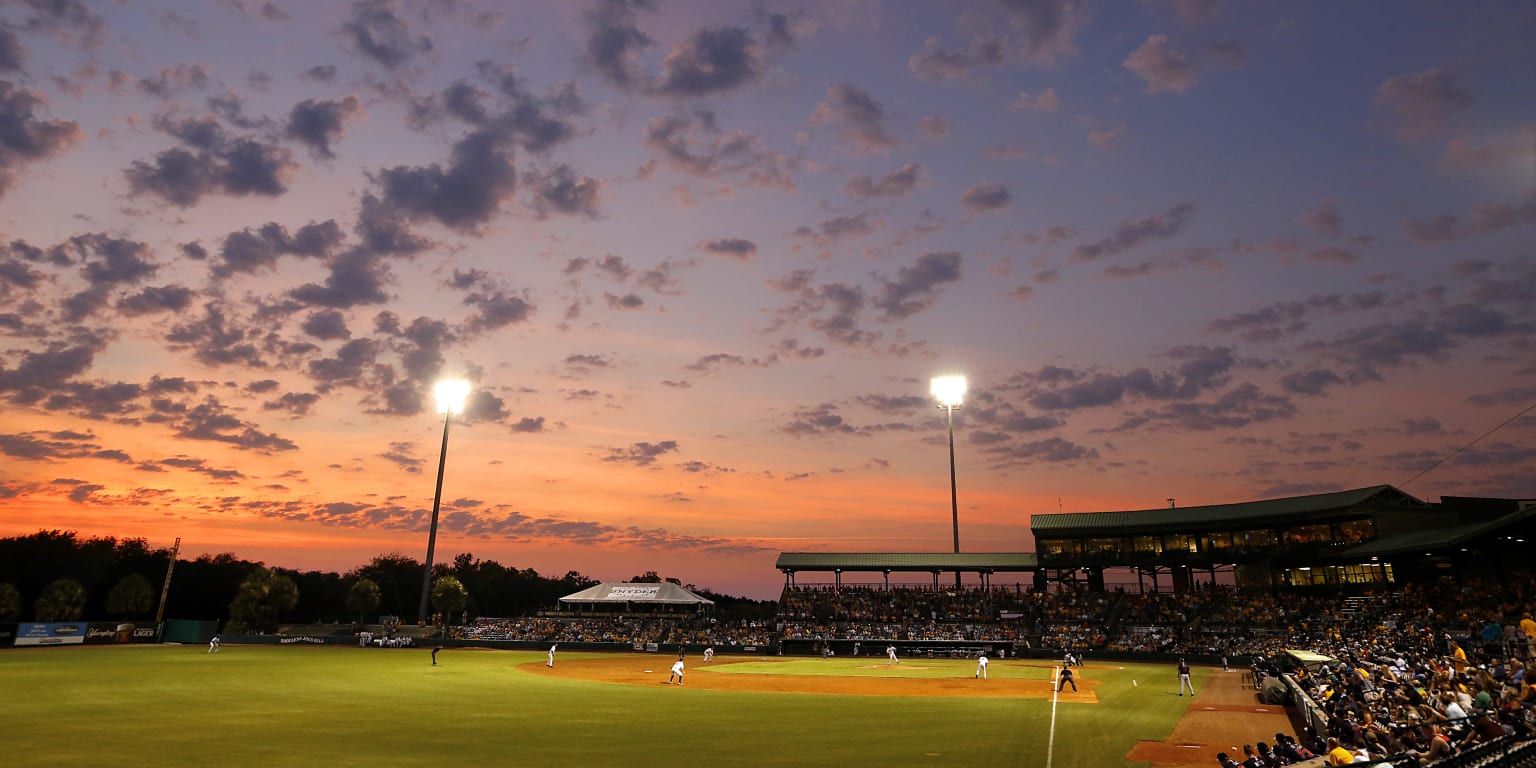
(448, 597)
(260, 601)
(399, 580)
(130, 597)
(322, 596)
(363, 598)
(203, 588)
(63, 600)
(10, 602)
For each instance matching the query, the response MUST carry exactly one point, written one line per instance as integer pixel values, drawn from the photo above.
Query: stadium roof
(1214, 514)
(1435, 538)
(664, 593)
(907, 561)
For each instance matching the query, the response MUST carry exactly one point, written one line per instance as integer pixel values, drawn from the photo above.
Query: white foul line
(1050, 744)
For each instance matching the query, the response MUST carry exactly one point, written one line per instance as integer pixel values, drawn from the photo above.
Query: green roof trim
(907, 561)
(1076, 523)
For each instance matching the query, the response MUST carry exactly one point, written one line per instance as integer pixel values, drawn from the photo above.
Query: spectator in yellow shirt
(1337, 754)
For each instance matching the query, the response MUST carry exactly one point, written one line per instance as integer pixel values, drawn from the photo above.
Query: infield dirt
(1224, 711)
(633, 671)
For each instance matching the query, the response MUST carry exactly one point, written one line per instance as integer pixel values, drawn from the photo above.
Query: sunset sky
(701, 259)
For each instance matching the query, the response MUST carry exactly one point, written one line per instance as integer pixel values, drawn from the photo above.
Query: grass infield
(385, 708)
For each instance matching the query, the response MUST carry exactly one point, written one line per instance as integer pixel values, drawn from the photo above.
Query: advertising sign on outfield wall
(119, 632)
(53, 633)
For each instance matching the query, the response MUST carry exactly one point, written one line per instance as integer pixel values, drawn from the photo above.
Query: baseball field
(383, 708)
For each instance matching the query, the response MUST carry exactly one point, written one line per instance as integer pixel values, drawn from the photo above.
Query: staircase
(1355, 607)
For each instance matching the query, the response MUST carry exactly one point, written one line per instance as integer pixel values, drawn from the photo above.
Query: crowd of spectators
(632, 629)
(1420, 673)
(871, 604)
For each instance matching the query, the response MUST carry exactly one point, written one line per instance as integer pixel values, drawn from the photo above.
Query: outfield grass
(383, 708)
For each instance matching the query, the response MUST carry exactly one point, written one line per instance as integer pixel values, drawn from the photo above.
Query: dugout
(1306, 659)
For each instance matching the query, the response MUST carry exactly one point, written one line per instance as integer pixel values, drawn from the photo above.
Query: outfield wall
(34, 634)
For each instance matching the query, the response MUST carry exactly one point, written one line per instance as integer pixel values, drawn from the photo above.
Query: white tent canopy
(636, 595)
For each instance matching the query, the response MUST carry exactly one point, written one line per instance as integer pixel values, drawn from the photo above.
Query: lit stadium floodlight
(949, 391)
(451, 394)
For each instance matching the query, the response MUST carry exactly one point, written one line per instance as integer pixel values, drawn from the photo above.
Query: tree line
(60, 576)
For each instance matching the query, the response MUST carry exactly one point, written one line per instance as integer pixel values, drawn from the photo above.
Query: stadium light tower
(451, 394)
(950, 390)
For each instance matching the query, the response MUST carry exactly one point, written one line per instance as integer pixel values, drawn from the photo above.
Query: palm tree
(363, 598)
(10, 602)
(131, 596)
(449, 597)
(63, 600)
(263, 595)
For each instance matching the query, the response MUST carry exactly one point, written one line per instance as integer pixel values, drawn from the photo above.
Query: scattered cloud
(934, 62)
(26, 138)
(377, 32)
(1422, 105)
(1133, 232)
(981, 198)
(1043, 101)
(642, 454)
(860, 118)
(318, 124)
(1162, 68)
(897, 183)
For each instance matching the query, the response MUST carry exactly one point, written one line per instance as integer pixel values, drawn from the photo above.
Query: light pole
(950, 390)
(450, 400)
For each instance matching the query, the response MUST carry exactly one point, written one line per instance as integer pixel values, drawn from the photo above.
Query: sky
(700, 260)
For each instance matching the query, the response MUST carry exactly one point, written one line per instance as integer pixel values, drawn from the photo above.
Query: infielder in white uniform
(213, 644)
(551, 662)
(709, 654)
(890, 655)
(677, 672)
(981, 667)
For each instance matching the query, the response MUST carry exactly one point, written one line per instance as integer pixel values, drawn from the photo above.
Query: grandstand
(1360, 540)
(1407, 609)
